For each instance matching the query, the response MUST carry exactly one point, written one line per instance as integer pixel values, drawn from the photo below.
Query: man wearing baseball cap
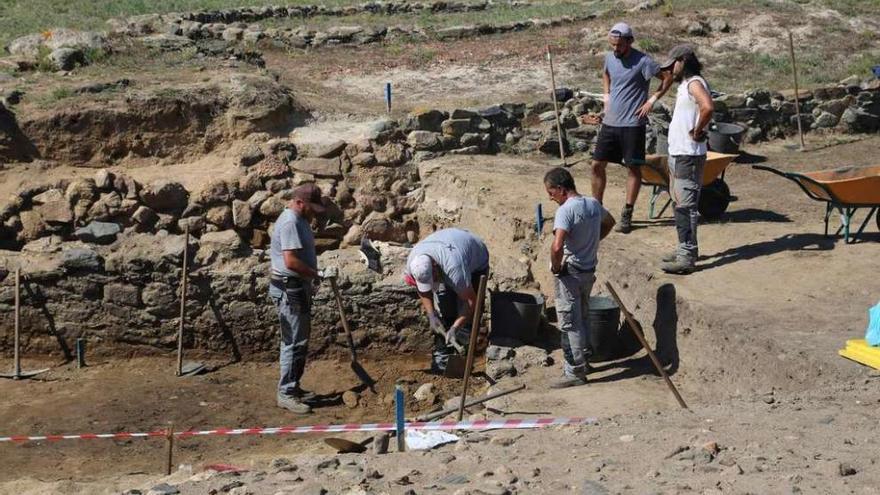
(445, 269)
(291, 285)
(687, 152)
(626, 80)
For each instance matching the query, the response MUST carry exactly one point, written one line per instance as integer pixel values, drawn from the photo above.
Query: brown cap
(677, 52)
(311, 194)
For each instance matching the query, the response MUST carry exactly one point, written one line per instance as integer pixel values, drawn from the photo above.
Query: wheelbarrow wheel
(714, 200)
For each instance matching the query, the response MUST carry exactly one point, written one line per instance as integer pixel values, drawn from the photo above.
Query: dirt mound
(173, 122)
(14, 146)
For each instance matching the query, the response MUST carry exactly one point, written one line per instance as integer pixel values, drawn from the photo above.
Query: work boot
(293, 404)
(625, 225)
(304, 395)
(670, 256)
(567, 381)
(673, 255)
(681, 266)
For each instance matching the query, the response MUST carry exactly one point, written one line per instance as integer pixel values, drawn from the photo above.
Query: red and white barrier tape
(281, 430)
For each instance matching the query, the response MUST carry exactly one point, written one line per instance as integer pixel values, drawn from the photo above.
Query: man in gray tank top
(580, 223)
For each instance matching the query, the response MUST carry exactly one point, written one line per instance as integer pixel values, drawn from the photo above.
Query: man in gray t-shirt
(626, 80)
(579, 225)
(294, 269)
(445, 268)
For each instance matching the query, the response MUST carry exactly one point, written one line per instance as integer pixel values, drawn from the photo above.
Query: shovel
(355, 365)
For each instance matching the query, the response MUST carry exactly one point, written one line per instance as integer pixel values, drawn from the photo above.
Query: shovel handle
(344, 319)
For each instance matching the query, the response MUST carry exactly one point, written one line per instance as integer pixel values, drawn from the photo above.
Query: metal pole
(556, 107)
(539, 218)
(80, 353)
(388, 97)
(169, 448)
(182, 303)
(17, 339)
(399, 411)
(473, 402)
(797, 104)
(637, 331)
(475, 329)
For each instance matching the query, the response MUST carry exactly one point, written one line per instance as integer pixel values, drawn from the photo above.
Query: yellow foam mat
(859, 351)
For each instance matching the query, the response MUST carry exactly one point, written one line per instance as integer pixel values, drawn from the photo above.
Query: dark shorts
(623, 145)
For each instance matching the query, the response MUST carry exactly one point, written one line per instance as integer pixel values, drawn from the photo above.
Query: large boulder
(391, 155)
(242, 214)
(106, 207)
(55, 212)
(215, 192)
(425, 120)
(81, 259)
(319, 167)
(30, 45)
(48, 196)
(81, 190)
(455, 127)
(425, 140)
(67, 58)
(145, 217)
(221, 216)
(98, 232)
(224, 244)
(855, 119)
(32, 226)
(164, 195)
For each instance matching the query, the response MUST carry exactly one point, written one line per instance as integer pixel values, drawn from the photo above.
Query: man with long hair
(687, 152)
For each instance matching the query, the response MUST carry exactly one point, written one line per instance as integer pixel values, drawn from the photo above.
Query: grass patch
(497, 14)
(647, 45)
(58, 94)
(20, 17)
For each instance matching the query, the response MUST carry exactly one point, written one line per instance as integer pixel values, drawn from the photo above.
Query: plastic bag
(872, 336)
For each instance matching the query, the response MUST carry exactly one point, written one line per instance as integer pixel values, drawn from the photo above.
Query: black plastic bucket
(517, 315)
(604, 321)
(725, 138)
(609, 340)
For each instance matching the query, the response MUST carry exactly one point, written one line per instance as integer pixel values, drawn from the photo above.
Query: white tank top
(684, 118)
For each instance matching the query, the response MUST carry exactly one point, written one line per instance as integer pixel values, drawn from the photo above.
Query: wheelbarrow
(715, 196)
(845, 189)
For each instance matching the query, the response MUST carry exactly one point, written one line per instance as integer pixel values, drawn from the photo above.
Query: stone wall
(124, 299)
(523, 128)
(849, 107)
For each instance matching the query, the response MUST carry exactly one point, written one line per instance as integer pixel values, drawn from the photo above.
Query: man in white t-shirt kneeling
(687, 153)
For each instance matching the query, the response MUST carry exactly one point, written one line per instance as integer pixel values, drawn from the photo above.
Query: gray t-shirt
(630, 82)
(292, 232)
(458, 253)
(581, 217)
